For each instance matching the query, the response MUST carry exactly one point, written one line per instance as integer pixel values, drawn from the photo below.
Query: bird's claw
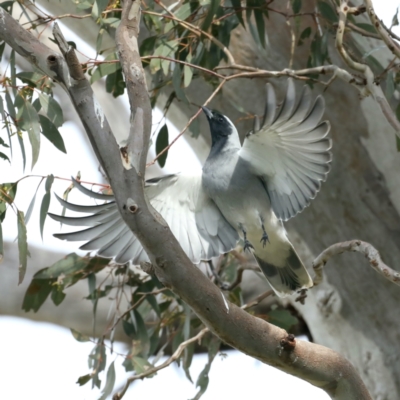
(248, 246)
(264, 239)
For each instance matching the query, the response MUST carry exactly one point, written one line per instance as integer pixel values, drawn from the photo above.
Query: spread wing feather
(291, 151)
(193, 217)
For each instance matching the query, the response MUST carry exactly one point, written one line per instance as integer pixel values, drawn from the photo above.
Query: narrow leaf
(52, 109)
(98, 7)
(50, 131)
(36, 294)
(82, 380)
(22, 246)
(80, 337)
(30, 122)
(296, 6)
(44, 208)
(327, 12)
(4, 157)
(1, 244)
(57, 295)
(237, 4)
(259, 17)
(161, 143)
(22, 147)
(176, 82)
(110, 382)
(13, 72)
(3, 115)
(32, 204)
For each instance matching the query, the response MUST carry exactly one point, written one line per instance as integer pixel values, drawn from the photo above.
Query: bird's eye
(220, 119)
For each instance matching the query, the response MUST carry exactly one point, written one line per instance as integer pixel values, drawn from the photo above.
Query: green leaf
(147, 46)
(57, 295)
(97, 361)
(3, 114)
(110, 382)
(98, 7)
(99, 40)
(237, 4)
(183, 11)
(80, 337)
(106, 68)
(13, 72)
(176, 82)
(4, 157)
(140, 365)
(187, 75)
(327, 12)
(304, 35)
(22, 147)
(82, 380)
(115, 83)
(1, 244)
(112, 22)
(44, 208)
(214, 4)
(142, 334)
(32, 204)
(161, 143)
(22, 247)
(52, 109)
(36, 294)
(282, 318)
(29, 121)
(296, 6)
(129, 329)
(30, 78)
(50, 132)
(259, 17)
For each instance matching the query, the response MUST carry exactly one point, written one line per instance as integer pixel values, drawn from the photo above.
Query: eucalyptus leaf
(50, 131)
(44, 208)
(110, 382)
(32, 204)
(52, 109)
(80, 337)
(22, 246)
(161, 143)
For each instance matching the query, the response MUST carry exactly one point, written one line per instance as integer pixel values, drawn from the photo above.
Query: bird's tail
(287, 278)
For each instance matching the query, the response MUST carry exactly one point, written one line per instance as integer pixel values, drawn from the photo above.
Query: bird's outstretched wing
(290, 152)
(192, 216)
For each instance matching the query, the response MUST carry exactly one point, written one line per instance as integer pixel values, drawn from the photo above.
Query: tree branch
(370, 87)
(369, 251)
(383, 33)
(125, 168)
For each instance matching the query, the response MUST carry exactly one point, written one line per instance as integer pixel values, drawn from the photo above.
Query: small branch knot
(132, 206)
(147, 267)
(289, 342)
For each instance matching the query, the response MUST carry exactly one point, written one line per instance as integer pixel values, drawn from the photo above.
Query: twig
(378, 25)
(257, 300)
(361, 31)
(166, 363)
(365, 248)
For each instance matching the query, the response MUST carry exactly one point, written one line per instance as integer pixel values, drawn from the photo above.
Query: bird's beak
(208, 112)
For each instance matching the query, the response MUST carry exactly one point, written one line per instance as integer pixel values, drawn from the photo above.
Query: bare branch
(370, 88)
(378, 25)
(369, 251)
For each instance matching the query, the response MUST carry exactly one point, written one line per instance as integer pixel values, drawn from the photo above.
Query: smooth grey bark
(125, 169)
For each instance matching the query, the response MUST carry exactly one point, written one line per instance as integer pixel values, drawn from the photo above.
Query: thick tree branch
(369, 251)
(125, 167)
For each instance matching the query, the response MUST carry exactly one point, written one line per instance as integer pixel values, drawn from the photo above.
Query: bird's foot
(247, 246)
(265, 239)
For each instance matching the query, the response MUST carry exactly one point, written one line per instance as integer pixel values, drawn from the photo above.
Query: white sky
(44, 361)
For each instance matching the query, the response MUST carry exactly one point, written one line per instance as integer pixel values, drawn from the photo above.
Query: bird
(242, 192)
